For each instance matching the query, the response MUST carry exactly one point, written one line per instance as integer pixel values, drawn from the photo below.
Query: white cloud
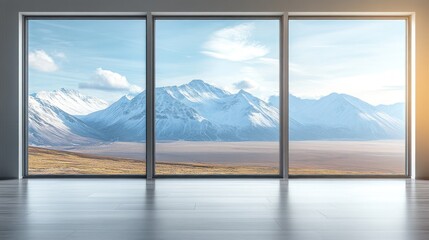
(233, 44)
(41, 61)
(245, 84)
(110, 81)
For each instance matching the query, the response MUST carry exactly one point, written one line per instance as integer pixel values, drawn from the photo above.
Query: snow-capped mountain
(124, 120)
(72, 101)
(341, 116)
(274, 101)
(396, 110)
(177, 121)
(195, 111)
(223, 108)
(196, 91)
(51, 126)
(198, 111)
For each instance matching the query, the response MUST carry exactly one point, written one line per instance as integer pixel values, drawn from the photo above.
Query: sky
(106, 58)
(230, 54)
(100, 58)
(362, 58)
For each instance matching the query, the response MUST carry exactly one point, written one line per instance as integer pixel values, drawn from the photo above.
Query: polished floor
(205, 209)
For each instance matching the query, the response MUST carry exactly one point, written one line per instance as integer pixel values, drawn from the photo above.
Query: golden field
(47, 161)
(224, 158)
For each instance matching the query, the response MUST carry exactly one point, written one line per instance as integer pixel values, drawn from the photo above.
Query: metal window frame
(284, 18)
(283, 87)
(26, 17)
(408, 83)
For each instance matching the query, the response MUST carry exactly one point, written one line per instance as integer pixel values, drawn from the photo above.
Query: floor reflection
(214, 208)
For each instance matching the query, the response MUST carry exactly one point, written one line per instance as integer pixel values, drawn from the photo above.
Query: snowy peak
(123, 100)
(343, 99)
(197, 91)
(396, 110)
(249, 97)
(170, 108)
(198, 111)
(71, 101)
(341, 116)
(69, 91)
(49, 125)
(124, 111)
(200, 85)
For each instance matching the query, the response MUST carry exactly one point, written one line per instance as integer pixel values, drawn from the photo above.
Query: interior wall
(9, 53)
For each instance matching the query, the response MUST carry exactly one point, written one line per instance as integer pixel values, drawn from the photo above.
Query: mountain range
(198, 111)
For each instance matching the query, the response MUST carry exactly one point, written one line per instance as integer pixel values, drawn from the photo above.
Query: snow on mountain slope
(254, 118)
(50, 126)
(198, 111)
(340, 116)
(274, 101)
(111, 114)
(194, 111)
(72, 101)
(396, 110)
(202, 97)
(243, 109)
(125, 120)
(223, 108)
(238, 116)
(196, 91)
(176, 121)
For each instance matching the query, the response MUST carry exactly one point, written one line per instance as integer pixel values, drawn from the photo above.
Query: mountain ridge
(71, 101)
(198, 111)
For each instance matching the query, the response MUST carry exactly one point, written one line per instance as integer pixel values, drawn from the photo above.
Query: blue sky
(102, 58)
(106, 58)
(231, 54)
(90, 55)
(363, 58)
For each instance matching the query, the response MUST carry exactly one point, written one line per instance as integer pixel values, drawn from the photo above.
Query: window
(216, 97)
(86, 96)
(347, 85)
(216, 87)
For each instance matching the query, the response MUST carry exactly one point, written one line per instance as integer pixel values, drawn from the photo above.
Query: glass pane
(216, 99)
(86, 103)
(347, 97)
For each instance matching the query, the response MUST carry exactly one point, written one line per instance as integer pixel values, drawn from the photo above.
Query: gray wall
(9, 52)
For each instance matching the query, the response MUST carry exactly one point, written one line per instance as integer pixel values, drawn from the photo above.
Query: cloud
(41, 61)
(233, 44)
(107, 80)
(245, 84)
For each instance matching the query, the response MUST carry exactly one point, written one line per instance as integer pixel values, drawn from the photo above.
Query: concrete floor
(206, 209)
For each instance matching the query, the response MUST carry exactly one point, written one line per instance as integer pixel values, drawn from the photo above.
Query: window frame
(150, 18)
(25, 92)
(280, 17)
(408, 97)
